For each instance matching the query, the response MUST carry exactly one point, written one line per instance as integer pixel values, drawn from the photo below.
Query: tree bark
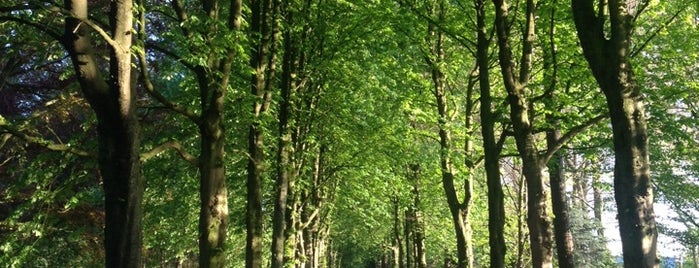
(540, 231)
(213, 217)
(114, 103)
(418, 226)
(285, 153)
(408, 238)
(397, 241)
(457, 209)
(597, 205)
(262, 63)
(608, 59)
(559, 200)
(496, 206)
(213, 82)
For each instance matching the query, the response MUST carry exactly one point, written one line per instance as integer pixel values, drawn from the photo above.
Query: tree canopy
(348, 133)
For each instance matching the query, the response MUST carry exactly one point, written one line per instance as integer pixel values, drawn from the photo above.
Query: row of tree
(338, 131)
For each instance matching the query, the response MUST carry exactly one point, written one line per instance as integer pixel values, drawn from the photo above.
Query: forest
(349, 133)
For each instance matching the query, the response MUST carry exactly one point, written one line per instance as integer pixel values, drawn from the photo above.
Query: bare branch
(123, 48)
(148, 84)
(60, 147)
(103, 34)
(173, 55)
(570, 134)
(170, 145)
(655, 33)
(304, 225)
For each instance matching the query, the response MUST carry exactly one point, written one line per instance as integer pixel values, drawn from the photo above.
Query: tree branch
(173, 55)
(145, 76)
(570, 134)
(305, 225)
(170, 145)
(60, 147)
(41, 27)
(101, 32)
(655, 33)
(467, 43)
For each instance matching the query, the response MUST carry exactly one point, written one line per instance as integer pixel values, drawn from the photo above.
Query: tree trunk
(496, 206)
(608, 60)
(457, 209)
(521, 204)
(255, 168)
(117, 128)
(408, 238)
(597, 205)
(540, 231)
(559, 200)
(213, 83)
(285, 153)
(262, 63)
(397, 243)
(418, 226)
(213, 216)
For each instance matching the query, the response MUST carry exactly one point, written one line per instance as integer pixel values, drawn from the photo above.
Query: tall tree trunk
(408, 238)
(397, 244)
(436, 39)
(597, 204)
(114, 103)
(559, 200)
(213, 83)
(496, 205)
(213, 216)
(521, 207)
(285, 153)
(263, 65)
(609, 62)
(540, 231)
(418, 225)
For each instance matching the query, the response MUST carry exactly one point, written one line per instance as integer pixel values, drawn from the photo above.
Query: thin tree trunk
(608, 60)
(262, 63)
(418, 226)
(397, 243)
(597, 205)
(285, 168)
(521, 207)
(559, 200)
(496, 205)
(436, 39)
(561, 212)
(117, 127)
(540, 229)
(408, 238)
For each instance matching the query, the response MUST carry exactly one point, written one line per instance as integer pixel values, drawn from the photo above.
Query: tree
(263, 62)
(113, 100)
(459, 209)
(607, 53)
(114, 103)
(212, 71)
(496, 207)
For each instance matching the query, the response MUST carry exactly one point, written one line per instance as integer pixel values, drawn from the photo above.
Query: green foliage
(375, 114)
